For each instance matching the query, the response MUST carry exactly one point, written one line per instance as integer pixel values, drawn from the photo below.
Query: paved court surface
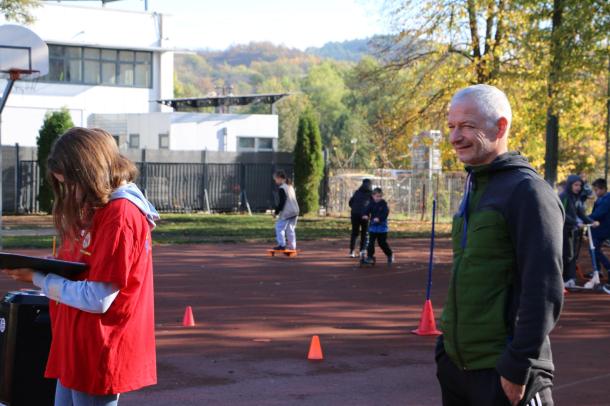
(255, 316)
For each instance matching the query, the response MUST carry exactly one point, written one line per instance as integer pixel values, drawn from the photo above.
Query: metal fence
(407, 194)
(174, 187)
(189, 187)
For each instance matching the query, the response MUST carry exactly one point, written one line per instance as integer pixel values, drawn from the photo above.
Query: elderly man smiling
(506, 290)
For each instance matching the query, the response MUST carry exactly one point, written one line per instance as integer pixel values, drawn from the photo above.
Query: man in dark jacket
(571, 199)
(506, 291)
(359, 203)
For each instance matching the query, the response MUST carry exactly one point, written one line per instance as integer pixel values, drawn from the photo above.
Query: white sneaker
(606, 288)
(593, 282)
(353, 254)
(570, 283)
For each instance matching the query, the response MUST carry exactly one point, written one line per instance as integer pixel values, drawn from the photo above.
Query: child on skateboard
(287, 213)
(378, 213)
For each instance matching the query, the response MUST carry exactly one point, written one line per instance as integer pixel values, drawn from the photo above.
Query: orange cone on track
(315, 350)
(188, 320)
(427, 324)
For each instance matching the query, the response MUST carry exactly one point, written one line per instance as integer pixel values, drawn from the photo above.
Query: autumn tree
(18, 10)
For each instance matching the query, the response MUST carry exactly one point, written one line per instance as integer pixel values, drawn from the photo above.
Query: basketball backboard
(23, 55)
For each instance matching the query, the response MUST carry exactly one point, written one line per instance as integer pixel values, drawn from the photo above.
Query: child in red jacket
(102, 323)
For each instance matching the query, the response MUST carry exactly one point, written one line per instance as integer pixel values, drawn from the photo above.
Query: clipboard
(67, 269)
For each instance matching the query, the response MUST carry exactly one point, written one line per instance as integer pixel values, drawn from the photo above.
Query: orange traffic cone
(188, 320)
(315, 350)
(427, 325)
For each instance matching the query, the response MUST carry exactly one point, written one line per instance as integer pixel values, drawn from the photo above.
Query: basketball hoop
(21, 74)
(23, 56)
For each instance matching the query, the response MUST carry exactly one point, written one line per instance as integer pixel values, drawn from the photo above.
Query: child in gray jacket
(287, 212)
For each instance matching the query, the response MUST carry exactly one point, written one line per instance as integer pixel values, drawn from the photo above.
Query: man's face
(377, 197)
(576, 187)
(474, 142)
(599, 192)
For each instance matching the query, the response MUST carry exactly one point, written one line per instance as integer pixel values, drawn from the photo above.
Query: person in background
(601, 213)
(359, 204)
(574, 216)
(378, 213)
(561, 187)
(287, 212)
(102, 322)
(586, 191)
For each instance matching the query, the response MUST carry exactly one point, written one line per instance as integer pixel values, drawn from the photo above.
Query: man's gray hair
(490, 101)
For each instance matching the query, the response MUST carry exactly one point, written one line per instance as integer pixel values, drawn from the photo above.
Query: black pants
(482, 387)
(570, 253)
(382, 238)
(359, 227)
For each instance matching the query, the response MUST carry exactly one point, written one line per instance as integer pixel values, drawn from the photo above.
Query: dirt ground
(255, 316)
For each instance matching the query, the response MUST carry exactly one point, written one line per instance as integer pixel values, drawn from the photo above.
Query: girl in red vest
(103, 321)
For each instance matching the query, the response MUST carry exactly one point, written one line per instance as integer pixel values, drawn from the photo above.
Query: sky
(218, 24)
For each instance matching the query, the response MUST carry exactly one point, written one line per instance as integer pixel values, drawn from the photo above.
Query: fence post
(144, 173)
(449, 199)
(424, 198)
(242, 187)
(17, 180)
(207, 201)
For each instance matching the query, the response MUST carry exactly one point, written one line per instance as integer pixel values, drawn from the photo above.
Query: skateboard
(288, 253)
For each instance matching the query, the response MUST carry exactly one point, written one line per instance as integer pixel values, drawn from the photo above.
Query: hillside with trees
(372, 96)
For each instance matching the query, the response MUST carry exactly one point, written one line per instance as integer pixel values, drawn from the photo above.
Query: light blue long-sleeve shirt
(88, 296)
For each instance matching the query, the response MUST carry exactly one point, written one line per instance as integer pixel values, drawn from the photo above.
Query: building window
(164, 141)
(264, 144)
(99, 66)
(134, 140)
(117, 139)
(246, 144)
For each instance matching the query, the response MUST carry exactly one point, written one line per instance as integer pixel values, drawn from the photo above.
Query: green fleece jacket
(506, 291)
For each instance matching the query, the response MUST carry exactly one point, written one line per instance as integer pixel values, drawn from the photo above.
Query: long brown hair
(92, 167)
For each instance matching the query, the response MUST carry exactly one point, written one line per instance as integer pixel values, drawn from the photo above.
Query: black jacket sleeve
(282, 202)
(535, 217)
(384, 212)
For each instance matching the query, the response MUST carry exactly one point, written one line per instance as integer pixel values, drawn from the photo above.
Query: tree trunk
(551, 156)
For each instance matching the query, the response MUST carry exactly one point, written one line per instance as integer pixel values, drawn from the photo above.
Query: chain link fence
(407, 194)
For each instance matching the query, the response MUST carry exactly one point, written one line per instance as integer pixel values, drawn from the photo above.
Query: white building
(109, 68)
(100, 61)
(191, 131)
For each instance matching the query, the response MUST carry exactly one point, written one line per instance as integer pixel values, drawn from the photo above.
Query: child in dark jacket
(378, 213)
(359, 204)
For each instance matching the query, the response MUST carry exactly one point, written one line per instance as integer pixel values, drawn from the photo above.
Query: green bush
(308, 163)
(55, 124)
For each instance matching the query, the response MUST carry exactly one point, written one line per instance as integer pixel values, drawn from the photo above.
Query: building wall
(96, 27)
(188, 131)
(220, 132)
